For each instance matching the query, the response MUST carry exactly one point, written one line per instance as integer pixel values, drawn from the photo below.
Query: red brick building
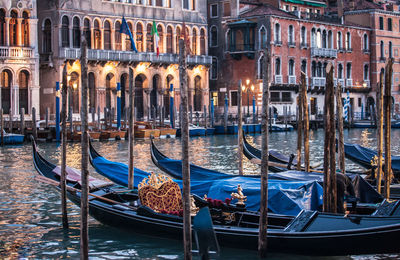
(301, 36)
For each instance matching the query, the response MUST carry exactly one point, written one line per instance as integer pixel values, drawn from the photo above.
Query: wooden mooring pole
(387, 117)
(84, 242)
(131, 130)
(1, 127)
(306, 124)
(63, 183)
(240, 129)
(22, 121)
(339, 115)
(34, 129)
(379, 105)
(262, 233)
(187, 228)
(299, 125)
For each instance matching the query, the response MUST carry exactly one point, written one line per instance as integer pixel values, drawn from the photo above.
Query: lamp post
(254, 105)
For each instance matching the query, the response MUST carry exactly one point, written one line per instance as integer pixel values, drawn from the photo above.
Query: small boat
(363, 156)
(274, 127)
(363, 124)
(10, 138)
(310, 232)
(112, 134)
(193, 131)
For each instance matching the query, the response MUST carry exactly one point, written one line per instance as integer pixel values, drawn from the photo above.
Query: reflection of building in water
(110, 54)
(19, 70)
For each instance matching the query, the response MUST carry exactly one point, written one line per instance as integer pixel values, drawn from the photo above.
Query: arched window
(390, 50)
(149, 39)
(178, 36)
(278, 66)
(263, 37)
(73, 89)
(340, 71)
(382, 47)
(213, 36)
(348, 71)
(13, 28)
(366, 72)
(319, 39)
(239, 44)
(314, 69)
(5, 85)
(339, 40)
(170, 34)
(23, 90)
(2, 27)
(365, 42)
(198, 97)
(65, 32)
(118, 40)
(76, 33)
(303, 36)
(194, 42)
(277, 33)
(291, 67)
(324, 39)
(107, 35)
(330, 40)
(260, 66)
(92, 91)
(161, 39)
(290, 35)
(348, 41)
(47, 36)
(87, 32)
(109, 90)
(25, 29)
(159, 3)
(319, 70)
(380, 23)
(128, 44)
(214, 69)
(389, 21)
(202, 42)
(304, 66)
(97, 35)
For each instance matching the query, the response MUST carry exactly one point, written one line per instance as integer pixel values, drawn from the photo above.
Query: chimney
(235, 6)
(340, 9)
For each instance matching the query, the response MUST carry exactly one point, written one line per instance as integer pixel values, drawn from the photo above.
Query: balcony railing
(303, 45)
(16, 53)
(349, 82)
(292, 79)
(323, 52)
(241, 47)
(278, 43)
(318, 82)
(278, 79)
(366, 83)
(128, 56)
(340, 82)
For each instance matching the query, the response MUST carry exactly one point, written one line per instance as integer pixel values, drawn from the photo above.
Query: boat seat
(160, 193)
(302, 221)
(148, 212)
(387, 208)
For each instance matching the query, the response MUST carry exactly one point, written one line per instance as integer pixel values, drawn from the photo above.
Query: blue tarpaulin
(284, 197)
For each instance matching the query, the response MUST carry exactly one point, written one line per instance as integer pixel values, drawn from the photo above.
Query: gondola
(285, 197)
(363, 156)
(310, 232)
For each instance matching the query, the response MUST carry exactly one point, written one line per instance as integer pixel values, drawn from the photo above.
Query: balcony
(382, 59)
(292, 80)
(323, 52)
(128, 56)
(318, 82)
(366, 83)
(16, 53)
(366, 51)
(349, 82)
(278, 43)
(341, 82)
(303, 46)
(292, 44)
(278, 79)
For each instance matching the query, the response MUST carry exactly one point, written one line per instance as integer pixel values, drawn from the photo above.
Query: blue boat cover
(284, 197)
(363, 156)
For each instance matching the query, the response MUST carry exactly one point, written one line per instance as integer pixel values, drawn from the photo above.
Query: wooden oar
(57, 184)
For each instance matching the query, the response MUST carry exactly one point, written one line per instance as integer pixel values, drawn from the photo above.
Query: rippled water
(30, 217)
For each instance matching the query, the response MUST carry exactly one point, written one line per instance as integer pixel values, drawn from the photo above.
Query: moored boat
(10, 138)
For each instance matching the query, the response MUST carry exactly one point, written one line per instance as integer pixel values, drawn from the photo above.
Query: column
(15, 100)
(33, 40)
(102, 38)
(198, 44)
(70, 34)
(35, 97)
(7, 31)
(92, 38)
(113, 43)
(174, 42)
(19, 31)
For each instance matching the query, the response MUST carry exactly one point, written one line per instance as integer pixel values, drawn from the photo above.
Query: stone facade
(110, 55)
(19, 58)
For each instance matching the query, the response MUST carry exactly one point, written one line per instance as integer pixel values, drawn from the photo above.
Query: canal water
(30, 217)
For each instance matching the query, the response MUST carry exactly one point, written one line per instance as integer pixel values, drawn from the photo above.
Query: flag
(125, 29)
(186, 40)
(154, 33)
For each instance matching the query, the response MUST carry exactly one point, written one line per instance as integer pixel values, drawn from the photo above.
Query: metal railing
(292, 79)
(128, 56)
(278, 79)
(323, 52)
(16, 52)
(349, 82)
(318, 82)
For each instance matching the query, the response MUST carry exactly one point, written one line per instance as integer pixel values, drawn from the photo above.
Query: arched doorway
(139, 80)
(197, 99)
(110, 90)
(370, 107)
(154, 94)
(124, 88)
(74, 92)
(92, 92)
(167, 94)
(23, 90)
(5, 84)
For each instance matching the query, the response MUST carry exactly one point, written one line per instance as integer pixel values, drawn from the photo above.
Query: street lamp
(254, 105)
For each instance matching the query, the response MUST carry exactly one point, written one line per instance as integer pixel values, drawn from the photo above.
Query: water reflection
(30, 217)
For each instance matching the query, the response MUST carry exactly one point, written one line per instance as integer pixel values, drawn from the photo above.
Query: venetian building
(19, 58)
(61, 24)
